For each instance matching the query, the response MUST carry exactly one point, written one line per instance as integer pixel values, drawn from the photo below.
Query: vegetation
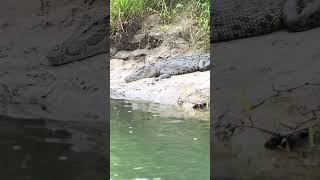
(200, 11)
(124, 11)
(121, 11)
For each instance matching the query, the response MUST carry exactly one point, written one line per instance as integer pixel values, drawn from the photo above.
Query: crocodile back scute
(233, 19)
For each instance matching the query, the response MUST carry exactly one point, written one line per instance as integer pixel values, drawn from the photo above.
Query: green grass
(201, 13)
(124, 11)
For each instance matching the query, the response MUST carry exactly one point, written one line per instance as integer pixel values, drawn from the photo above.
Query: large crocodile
(234, 19)
(90, 38)
(172, 66)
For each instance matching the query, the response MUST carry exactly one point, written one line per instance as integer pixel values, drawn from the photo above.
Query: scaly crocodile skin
(90, 38)
(234, 19)
(172, 66)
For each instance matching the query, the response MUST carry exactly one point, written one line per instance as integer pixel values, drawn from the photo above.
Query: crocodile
(90, 38)
(235, 19)
(172, 66)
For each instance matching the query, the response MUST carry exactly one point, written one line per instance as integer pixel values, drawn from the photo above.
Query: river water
(50, 150)
(154, 142)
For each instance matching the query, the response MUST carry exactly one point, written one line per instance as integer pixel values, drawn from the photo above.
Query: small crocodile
(172, 66)
(90, 38)
(235, 19)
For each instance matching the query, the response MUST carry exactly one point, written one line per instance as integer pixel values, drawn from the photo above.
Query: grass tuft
(201, 13)
(124, 11)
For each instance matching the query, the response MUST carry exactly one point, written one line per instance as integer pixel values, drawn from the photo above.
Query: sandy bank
(184, 91)
(167, 91)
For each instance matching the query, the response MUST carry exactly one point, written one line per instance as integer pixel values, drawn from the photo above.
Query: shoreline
(166, 91)
(31, 88)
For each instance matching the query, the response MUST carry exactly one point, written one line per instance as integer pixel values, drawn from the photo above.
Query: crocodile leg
(163, 76)
(307, 19)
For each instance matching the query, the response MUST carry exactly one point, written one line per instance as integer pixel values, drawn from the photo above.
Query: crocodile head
(147, 71)
(62, 54)
(56, 55)
(90, 38)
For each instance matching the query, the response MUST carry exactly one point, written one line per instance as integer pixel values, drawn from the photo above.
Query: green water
(153, 143)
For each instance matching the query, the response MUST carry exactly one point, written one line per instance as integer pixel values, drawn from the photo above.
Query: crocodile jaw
(91, 39)
(147, 71)
(56, 56)
(62, 55)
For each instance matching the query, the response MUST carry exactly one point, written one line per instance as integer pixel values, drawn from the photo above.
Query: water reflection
(154, 143)
(50, 150)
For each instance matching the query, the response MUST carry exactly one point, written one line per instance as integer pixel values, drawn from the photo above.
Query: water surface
(149, 141)
(50, 150)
